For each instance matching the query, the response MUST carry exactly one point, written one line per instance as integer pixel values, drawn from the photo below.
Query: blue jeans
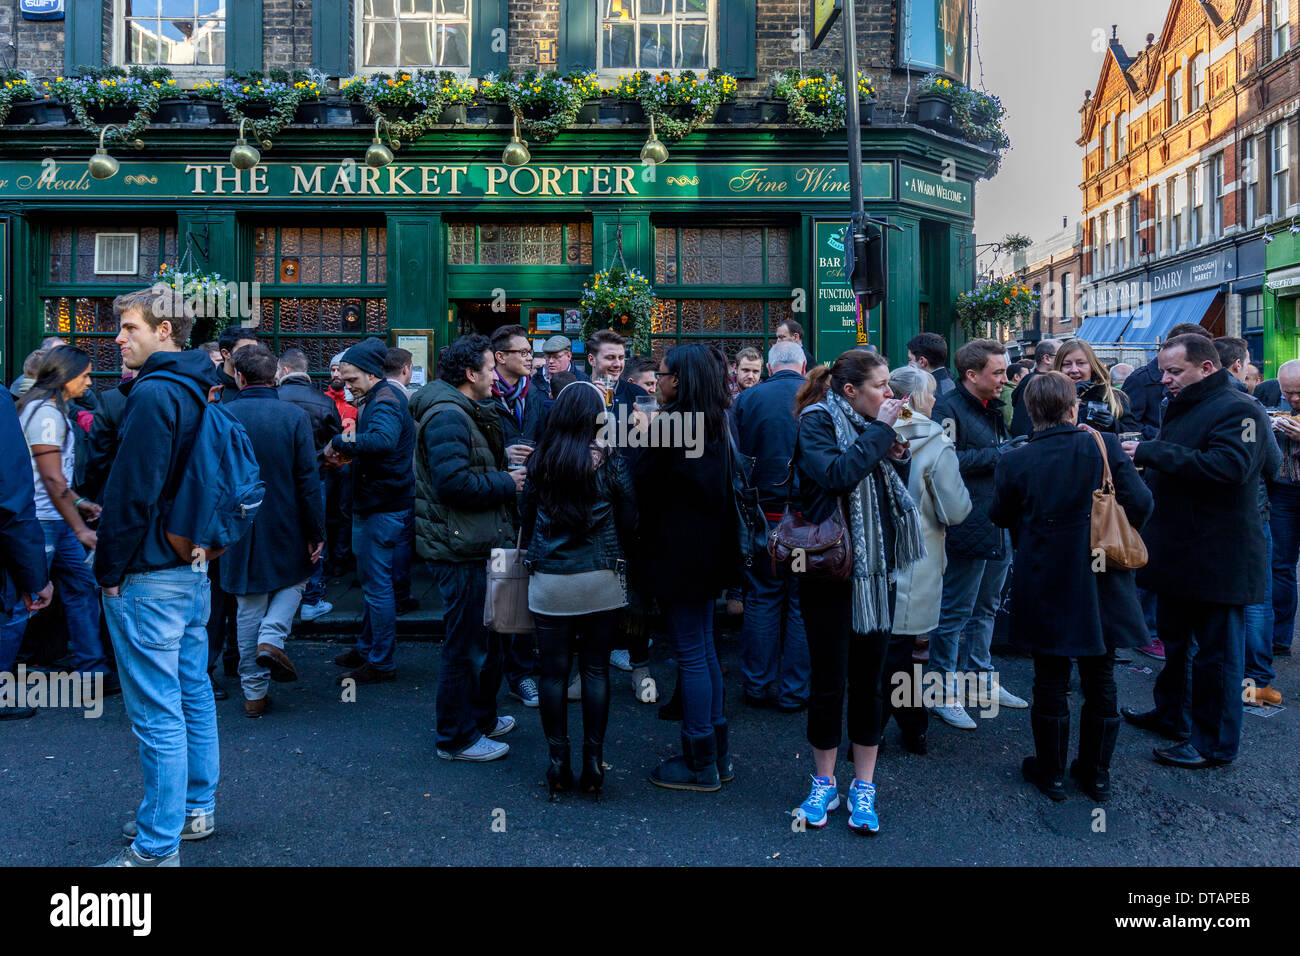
(374, 537)
(1259, 629)
(773, 643)
(972, 588)
(698, 670)
(469, 671)
(315, 589)
(1284, 520)
(158, 623)
(76, 587)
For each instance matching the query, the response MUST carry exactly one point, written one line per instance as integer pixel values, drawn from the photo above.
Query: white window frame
(1106, 158)
(1135, 226)
(1279, 141)
(1174, 95)
(612, 73)
(1121, 236)
(1199, 97)
(358, 39)
(1160, 219)
(1121, 135)
(186, 75)
(1196, 187)
(1175, 214)
(1106, 252)
(1281, 33)
(1067, 299)
(1217, 167)
(1250, 180)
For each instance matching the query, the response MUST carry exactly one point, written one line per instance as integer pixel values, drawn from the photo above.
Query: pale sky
(1038, 57)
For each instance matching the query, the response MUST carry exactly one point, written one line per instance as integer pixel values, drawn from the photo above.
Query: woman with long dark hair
(687, 551)
(1043, 493)
(848, 456)
(578, 509)
(63, 377)
(1101, 405)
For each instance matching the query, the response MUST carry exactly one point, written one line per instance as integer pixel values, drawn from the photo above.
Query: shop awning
(1285, 281)
(1153, 322)
(1104, 328)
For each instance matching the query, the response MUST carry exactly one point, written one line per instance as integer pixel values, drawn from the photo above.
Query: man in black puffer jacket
(979, 553)
(1204, 472)
(383, 488)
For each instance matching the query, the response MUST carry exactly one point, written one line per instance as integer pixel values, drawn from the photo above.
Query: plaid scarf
(871, 576)
(512, 398)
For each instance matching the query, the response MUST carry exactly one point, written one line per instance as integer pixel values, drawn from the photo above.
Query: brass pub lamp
(102, 165)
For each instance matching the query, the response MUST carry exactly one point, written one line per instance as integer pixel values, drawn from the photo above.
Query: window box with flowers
(269, 102)
(730, 109)
(412, 104)
(24, 101)
(545, 103)
(191, 110)
(815, 98)
(866, 100)
(111, 95)
(624, 102)
(620, 299)
(1001, 302)
(935, 104)
(681, 102)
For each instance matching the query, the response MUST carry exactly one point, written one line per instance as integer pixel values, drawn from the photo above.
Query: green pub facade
(742, 227)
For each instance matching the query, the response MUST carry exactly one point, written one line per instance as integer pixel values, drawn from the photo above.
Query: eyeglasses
(524, 352)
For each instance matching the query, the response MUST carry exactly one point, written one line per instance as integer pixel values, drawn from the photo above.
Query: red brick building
(1190, 153)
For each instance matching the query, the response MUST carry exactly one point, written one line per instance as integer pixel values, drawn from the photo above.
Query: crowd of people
(949, 496)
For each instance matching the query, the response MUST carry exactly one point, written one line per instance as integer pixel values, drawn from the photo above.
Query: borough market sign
(668, 182)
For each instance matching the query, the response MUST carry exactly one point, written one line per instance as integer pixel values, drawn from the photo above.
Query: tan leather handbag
(505, 611)
(1111, 532)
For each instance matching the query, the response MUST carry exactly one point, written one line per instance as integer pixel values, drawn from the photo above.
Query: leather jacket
(600, 545)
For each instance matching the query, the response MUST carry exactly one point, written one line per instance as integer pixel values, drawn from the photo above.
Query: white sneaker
(978, 695)
(620, 659)
(481, 750)
(955, 716)
(1008, 699)
(312, 611)
(503, 727)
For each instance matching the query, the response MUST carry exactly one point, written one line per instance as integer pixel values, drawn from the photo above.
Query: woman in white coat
(934, 482)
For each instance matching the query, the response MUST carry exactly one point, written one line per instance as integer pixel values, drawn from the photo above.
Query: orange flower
(1007, 301)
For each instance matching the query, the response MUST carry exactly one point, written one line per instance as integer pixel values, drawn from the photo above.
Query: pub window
(724, 286)
(657, 35)
(519, 243)
(323, 289)
(410, 34)
(77, 301)
(172, 32)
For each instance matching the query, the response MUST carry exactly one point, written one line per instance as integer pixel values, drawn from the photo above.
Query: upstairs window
(1174, 96)
(1281, 27)
(410, 34)
(1198, 79)
(1279, 145)
(657, 35)
(1216, 195)
(1250, 179)
(1121, 135)
(1105, 145)
(174, 32)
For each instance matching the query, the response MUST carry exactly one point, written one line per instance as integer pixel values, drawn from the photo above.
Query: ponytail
(852, 368)
(813, 390)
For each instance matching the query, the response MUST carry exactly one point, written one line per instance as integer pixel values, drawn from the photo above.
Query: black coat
(1269, 393)
(686, 548)
(980, 434)
(273, 555)
(827, 475)
(1043, 495)
(535, 407)
(22, 542)
(602, 541)
(1125, 422)
(383, 449)
(1146, 392)
(103, 443)
(321, 411)
(943, 380)
(1205, 537)
(765, 427)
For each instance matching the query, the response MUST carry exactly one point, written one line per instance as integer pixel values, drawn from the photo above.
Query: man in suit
(1204, 469)
(267, 569)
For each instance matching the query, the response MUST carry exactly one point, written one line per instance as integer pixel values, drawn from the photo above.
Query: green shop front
(741, 228)
(1281, 298)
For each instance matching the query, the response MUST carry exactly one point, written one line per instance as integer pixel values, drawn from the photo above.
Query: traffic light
(864, 260)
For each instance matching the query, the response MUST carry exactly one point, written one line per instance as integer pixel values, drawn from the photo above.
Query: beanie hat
(368, 356)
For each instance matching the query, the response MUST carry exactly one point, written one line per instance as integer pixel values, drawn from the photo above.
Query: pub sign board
(42, 9)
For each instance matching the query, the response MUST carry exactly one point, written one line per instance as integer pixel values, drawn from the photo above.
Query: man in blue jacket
(267, 569)
(155, 603)
(24, 582)
(773, 645)
(383, 489)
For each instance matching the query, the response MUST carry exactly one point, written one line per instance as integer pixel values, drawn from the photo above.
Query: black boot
(726, 773)
(673, 709)
(559, 775)
(695, 769)
(1046, 769)
(593, 769)
(1096, 744)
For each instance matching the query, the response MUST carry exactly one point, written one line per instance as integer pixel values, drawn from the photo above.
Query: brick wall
(286, 34)
(531, 21)
(37, 45)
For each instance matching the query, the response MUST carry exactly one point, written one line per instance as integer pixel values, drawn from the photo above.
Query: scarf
(871, 577)
(512, 398)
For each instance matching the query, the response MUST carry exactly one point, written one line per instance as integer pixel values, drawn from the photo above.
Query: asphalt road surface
(322, 782)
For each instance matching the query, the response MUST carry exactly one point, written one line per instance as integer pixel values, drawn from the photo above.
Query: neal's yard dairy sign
(693, 182)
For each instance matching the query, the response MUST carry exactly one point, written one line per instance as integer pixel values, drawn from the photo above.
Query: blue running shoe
(862, 801)
(823, 798)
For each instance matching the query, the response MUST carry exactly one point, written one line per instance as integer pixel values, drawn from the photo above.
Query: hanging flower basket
(815, 98)
(1006, 302)
(213, 298)
(620, 299)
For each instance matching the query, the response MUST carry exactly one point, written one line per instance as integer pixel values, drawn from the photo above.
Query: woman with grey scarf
(848, 456)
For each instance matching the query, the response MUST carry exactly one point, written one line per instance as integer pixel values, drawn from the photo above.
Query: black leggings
(557, 639)
(1096, 677)
(840, 658)
(912, 721)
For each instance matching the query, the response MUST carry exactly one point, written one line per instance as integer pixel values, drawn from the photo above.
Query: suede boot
(1046, 769)
(695, 769)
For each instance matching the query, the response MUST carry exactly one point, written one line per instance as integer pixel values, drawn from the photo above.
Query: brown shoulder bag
(816, 550)
(1111, 532)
